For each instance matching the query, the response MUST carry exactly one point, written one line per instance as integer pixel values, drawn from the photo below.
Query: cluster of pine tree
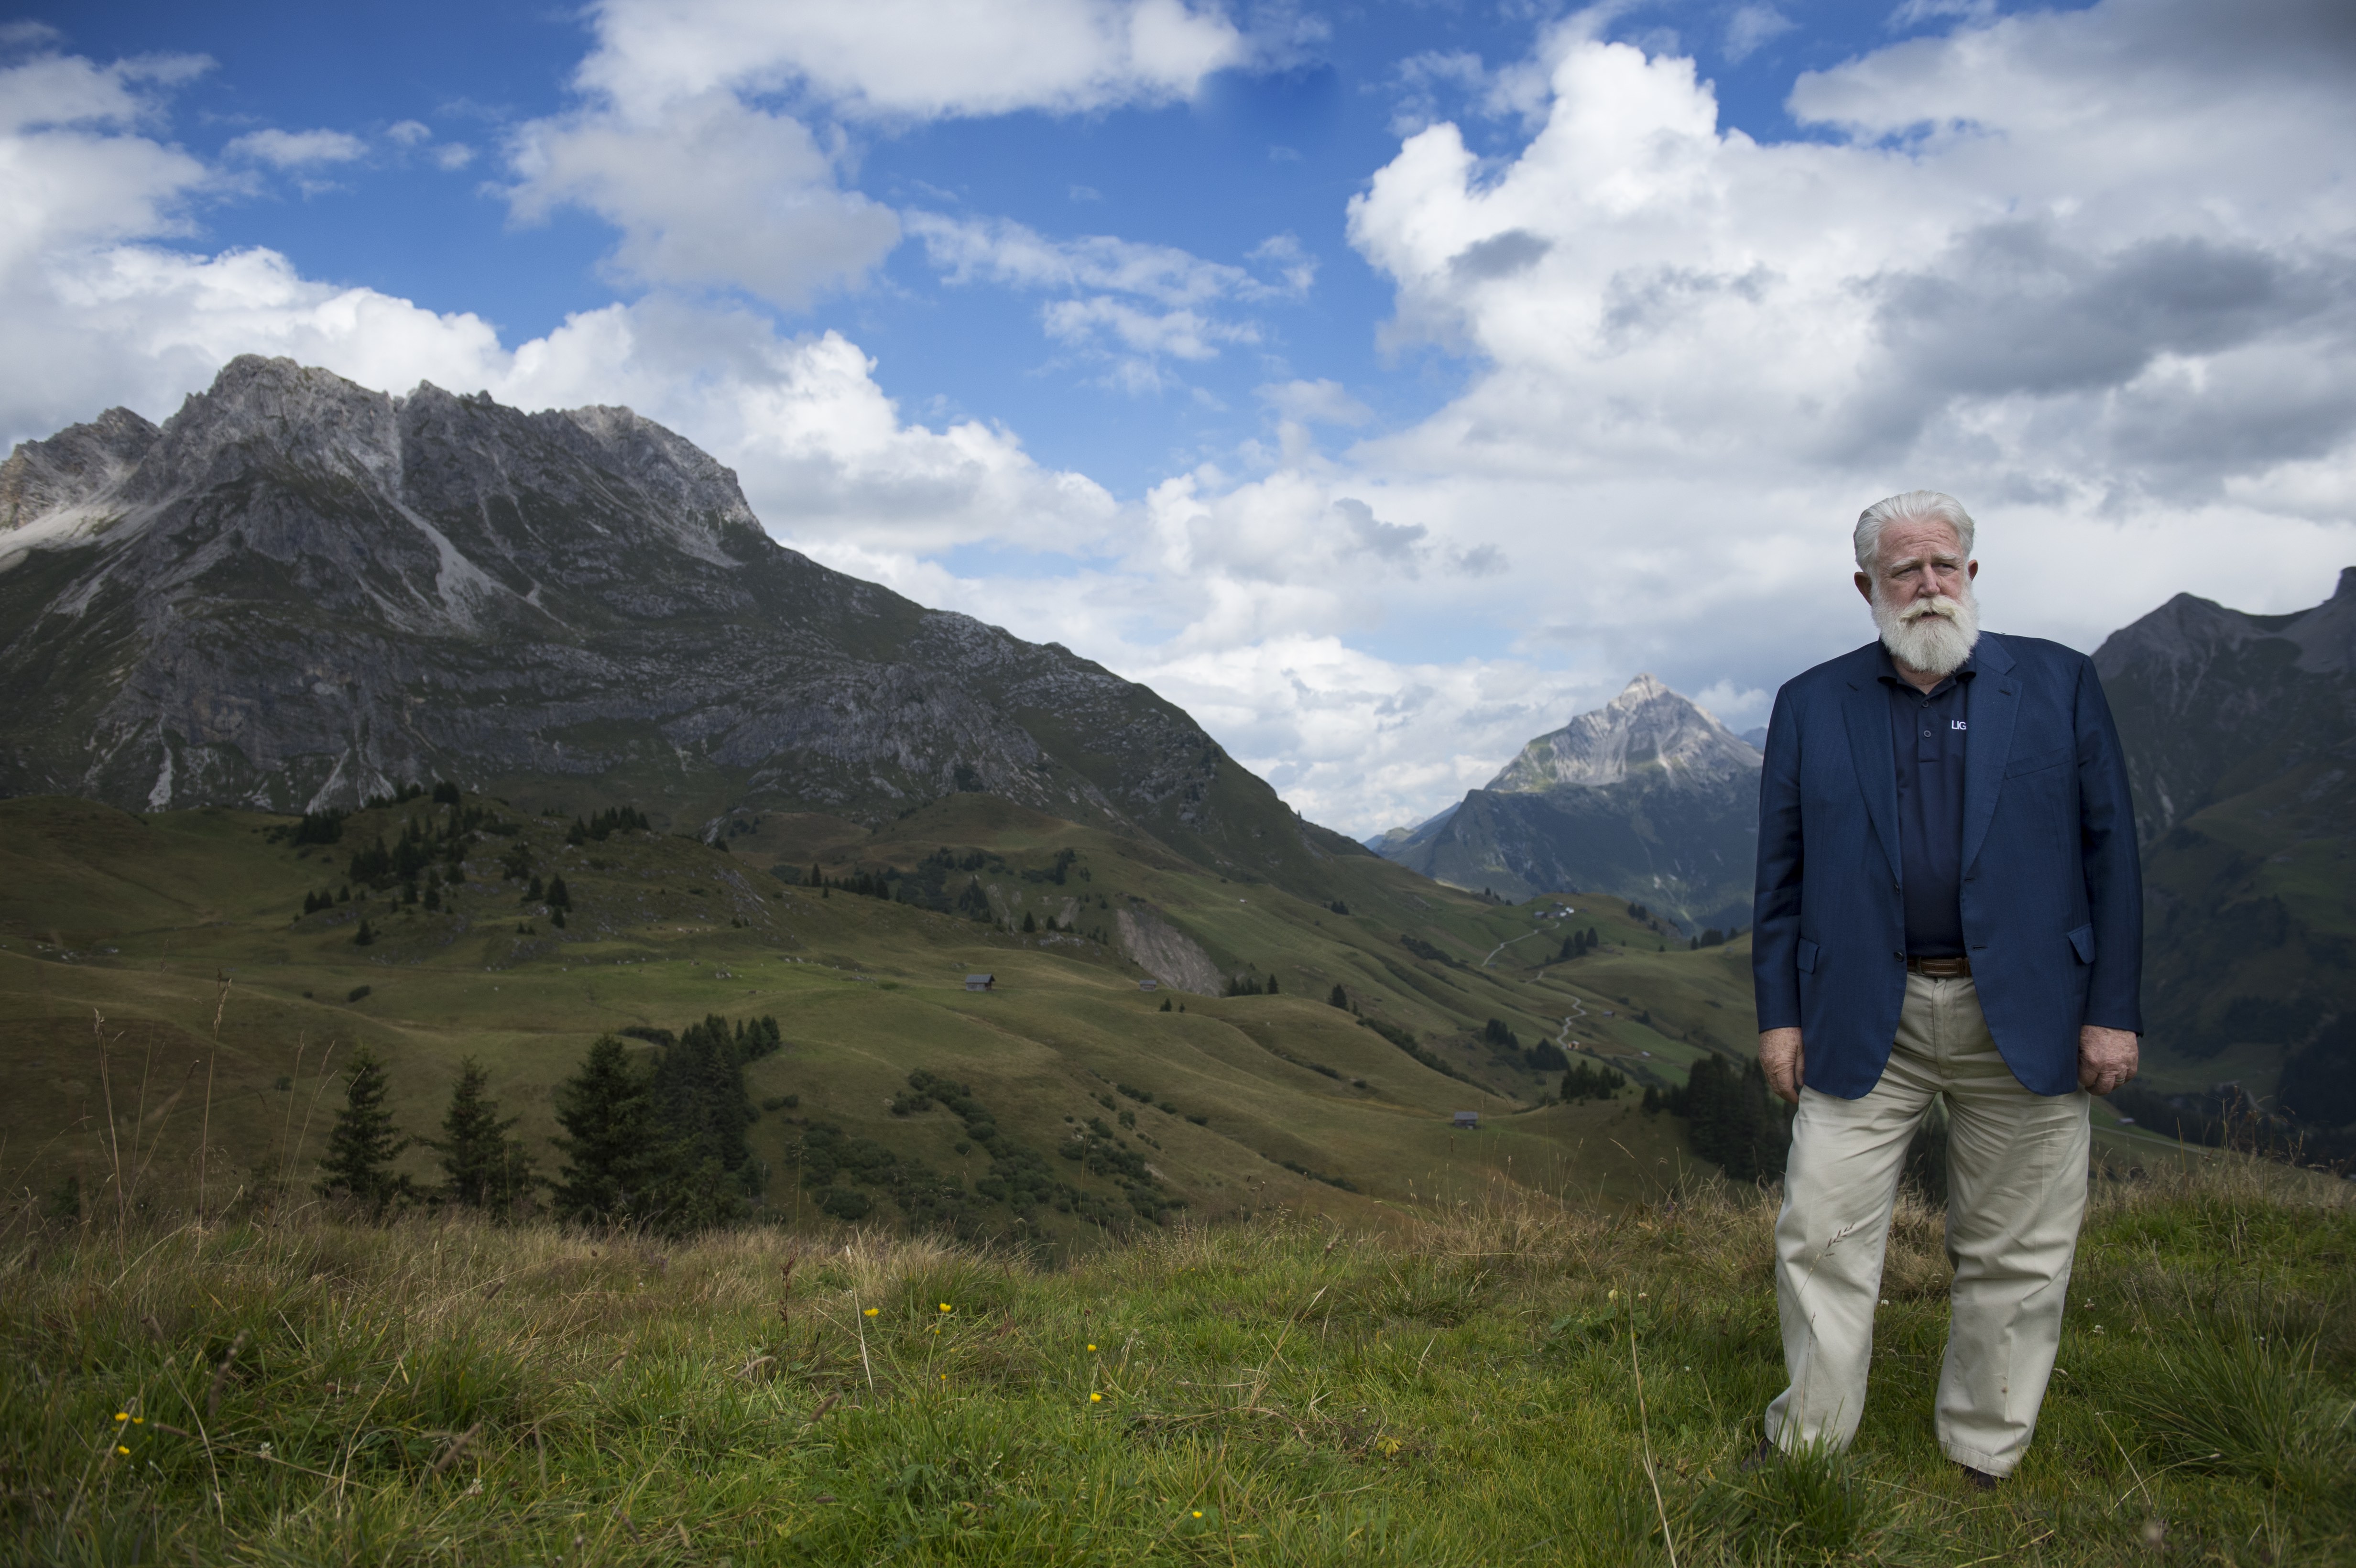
(314, 902)
(605, 823)
(1422, 949)
(556, 896)
(316, 827)
(1733, 1118)
(1544, 1057)
(482, 1166)
(1712, 937)
(424, 841)
(1577, 945)
(658, 1142)
(1244, 983)
(1590, 1081)
(661, 1142)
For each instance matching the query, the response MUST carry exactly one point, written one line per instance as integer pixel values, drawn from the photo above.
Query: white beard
(1931, 635)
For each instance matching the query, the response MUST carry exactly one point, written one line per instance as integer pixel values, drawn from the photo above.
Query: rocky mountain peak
(71, 467)
(1646, 729)
(299, 592)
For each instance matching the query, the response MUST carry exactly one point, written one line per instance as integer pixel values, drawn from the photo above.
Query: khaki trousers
(2017, 1192)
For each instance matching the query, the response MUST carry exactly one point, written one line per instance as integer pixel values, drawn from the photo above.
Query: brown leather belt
(1954, 968)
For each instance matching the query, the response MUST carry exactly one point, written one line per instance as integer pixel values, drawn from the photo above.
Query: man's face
(1918, 560)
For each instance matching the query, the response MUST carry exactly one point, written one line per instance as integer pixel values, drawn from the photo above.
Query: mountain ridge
(297, 592)
(1648, 797)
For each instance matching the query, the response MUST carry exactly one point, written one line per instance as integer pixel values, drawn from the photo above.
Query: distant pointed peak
(1645, 687)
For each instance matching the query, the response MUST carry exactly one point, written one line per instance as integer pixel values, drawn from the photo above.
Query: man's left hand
(2107, 1057)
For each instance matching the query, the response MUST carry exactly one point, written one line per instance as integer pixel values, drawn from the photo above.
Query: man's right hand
(1779, 1058)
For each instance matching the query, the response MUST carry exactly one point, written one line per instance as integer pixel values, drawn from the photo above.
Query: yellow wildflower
(1091, 1346)
(874, 1310)
(121, 1449)
(122, 1416)
(1095, 1399)
(946, 1308)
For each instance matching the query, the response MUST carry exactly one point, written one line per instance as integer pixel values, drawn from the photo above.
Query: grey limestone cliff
(297, 591)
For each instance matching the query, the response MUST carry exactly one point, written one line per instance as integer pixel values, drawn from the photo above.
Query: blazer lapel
(1995, 704)
(1869, 746)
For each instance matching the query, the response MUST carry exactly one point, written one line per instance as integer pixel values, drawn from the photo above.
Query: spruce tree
(484, 1169)
(1339, 999)
(364, 1141)
(363, 936)
(697, 1086)
(1272, 989)
(1029, 925)
(615, 1156)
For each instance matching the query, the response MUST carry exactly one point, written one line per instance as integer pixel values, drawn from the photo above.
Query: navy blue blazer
(2052, 890)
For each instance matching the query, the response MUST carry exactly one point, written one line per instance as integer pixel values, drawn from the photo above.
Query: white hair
(1913, 507)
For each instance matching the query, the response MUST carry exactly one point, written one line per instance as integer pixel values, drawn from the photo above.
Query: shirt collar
(1890, 676)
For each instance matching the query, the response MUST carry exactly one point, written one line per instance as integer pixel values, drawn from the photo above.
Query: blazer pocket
(1803, 957)
(2083, 939)
(2038, 761)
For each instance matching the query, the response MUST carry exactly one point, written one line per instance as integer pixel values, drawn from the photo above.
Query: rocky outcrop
(1164, 952)
(298, 591)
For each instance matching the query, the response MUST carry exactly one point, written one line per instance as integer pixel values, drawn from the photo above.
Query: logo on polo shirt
(1956, 724)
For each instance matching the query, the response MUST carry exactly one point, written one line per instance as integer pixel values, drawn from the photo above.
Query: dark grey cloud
(2009, 309)
(2315, 40)
(1392, 541)
(1498, 256)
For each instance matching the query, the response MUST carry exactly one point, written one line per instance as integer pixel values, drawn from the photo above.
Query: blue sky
(1385, 383)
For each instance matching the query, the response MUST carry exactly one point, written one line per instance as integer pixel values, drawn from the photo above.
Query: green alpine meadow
(539, 1025)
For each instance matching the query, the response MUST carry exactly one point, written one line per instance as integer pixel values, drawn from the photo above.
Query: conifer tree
(485, 1167)
(1272, 988)
(559, 895)
(1029, 925)
(699, 1095)
(615, 1156)
(1339, 999)
(363, 936)
(364, 1141)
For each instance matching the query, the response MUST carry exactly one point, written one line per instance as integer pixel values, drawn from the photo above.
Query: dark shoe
(1978, 1481)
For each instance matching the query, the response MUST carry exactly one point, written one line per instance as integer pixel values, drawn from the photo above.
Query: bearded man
(1949, 908)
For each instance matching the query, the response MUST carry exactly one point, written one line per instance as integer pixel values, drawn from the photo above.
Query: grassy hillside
(1511, 1380)
(129, 945)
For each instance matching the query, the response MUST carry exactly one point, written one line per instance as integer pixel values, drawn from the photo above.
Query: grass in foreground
(1515, 1384)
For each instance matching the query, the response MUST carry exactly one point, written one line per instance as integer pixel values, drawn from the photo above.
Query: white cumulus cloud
(916, 59)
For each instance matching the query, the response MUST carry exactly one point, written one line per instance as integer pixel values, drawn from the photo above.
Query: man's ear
(1864, 583)
(1972, 570)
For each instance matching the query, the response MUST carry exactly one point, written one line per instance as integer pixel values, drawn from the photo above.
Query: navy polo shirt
(1927, 732)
